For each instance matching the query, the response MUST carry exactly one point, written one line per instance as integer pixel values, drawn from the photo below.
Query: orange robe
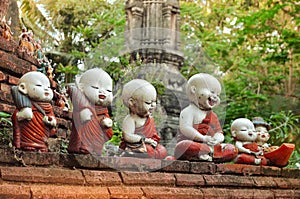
(245, 158)
(149, 131)
(32, 134)
(87, 137)
(188, 149)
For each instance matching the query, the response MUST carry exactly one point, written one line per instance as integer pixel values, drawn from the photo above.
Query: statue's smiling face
(207, 97)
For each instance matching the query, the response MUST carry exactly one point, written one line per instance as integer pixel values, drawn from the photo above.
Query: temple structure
(153, 36)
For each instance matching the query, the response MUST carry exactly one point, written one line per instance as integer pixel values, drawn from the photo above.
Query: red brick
(297, 193)
(102, 177)
(282, 183)
(125, 192)
(76, 192)
(175, 166)
(264, 182)
(3, 76)
(6, 97)
(9, 46)
(131, 164)
(167, 193)
(263, 194)
(146, 178)
(42, 175)
(14, 191)
(40, 159)
(203, 167)
(229, 193)
(7, 108)
(79, 160)
(228, 180)
(238, 169)
(271, 171)
(294, 183)
(5, 88)
(13, 80)
(290, 173)
(280, 193)
(189, 180)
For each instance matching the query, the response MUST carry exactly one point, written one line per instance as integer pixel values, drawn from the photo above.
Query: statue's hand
(107, 122)
(25, 114)
(213, 142)
(85, 115)
(207, 139)
(151, 142)
(50, 120)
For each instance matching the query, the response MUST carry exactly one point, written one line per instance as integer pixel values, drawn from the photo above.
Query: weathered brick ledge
(52, 175)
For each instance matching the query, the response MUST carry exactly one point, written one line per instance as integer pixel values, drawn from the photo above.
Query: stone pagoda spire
(153, 30)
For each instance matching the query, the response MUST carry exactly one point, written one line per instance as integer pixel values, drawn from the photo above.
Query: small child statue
(139, 131)
(92, 125)
(262, 129)
(276, 155)
(200, 134)
(33, 120)
(243, 131)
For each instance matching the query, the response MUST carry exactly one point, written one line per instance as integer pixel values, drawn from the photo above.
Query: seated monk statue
(200, 134)
(92, 125)
(33, 120)
(244, 134)
(138, 127)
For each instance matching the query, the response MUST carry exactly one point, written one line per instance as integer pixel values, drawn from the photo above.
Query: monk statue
(138, 127)
(262, 129)
(33, 120)
(200, 134)
(276, 155)
(92, 125)
(244, 134)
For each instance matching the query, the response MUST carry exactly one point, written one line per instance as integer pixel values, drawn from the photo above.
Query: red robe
(149, 131)
(245, 158)
(32, 134)
(87, 137)
(188, 149)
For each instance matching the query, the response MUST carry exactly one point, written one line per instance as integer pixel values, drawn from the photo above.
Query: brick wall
(53, 175)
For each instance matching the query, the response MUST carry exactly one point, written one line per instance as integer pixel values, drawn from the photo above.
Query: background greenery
(254, 47)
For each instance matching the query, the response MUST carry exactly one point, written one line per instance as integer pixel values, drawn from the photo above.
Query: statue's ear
(22, 88)
(193, 89)
(233, 133)
(80, 86)
(131, 102)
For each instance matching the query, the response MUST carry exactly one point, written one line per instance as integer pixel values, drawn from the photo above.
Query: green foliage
(5, 129)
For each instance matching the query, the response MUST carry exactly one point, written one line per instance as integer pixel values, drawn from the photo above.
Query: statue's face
(207, 94)
(144, 101)
(245, 131)
(37, 87)
(98, 91)
(262, 134)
